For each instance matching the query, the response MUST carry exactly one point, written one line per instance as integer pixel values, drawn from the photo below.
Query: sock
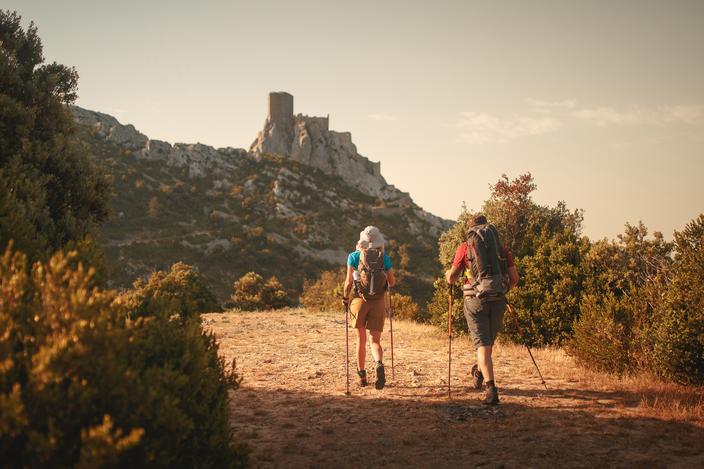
(378, 364)
(490, 384)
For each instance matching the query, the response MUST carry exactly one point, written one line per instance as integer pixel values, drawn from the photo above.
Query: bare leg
(361, 347)
(377, 351)
(486, 365)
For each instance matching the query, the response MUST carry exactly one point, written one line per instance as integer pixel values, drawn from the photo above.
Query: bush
(404, 307)
(601, 336)
(181, 291)
(439, 307)
(678, 332)
(325, 293)
(645, 311)
(81, 384)
(252, 293)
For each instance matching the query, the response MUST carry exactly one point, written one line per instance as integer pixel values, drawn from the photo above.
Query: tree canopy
(50, 192)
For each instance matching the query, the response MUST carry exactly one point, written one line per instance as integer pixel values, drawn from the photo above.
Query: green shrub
(83, 385)
(678, 331)
(404, 307)
(439, 307)
(325, 293)
(645, 310)
(601, 338)
(253, 293)
(181, 291)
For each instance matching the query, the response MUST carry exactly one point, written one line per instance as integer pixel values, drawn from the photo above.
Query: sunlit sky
(602, 101)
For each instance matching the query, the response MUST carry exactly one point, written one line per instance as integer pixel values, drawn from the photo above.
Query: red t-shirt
(460, 259)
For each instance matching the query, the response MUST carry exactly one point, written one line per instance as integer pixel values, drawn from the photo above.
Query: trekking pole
(515, 319)
(449, 343)
(391, 327)
(347, 348)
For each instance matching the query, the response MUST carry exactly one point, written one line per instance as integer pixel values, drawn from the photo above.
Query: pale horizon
(602, 103)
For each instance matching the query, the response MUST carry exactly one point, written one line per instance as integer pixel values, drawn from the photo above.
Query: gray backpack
(488, 266)
(372, 275)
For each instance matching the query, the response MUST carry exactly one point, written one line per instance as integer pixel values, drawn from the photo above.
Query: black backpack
(372, 275)
(488, 266)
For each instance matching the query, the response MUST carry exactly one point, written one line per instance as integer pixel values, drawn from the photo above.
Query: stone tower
(280, 107)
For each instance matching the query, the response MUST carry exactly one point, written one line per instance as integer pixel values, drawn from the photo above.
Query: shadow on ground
(287, 428)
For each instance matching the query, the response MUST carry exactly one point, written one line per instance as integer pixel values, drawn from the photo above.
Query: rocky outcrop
(198, 158)
(309, 140)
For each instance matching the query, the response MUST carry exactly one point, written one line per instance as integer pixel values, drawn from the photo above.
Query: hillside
(229, 211)
(292, 412)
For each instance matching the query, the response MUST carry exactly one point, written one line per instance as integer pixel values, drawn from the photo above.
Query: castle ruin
(309, 140)
(280, 107)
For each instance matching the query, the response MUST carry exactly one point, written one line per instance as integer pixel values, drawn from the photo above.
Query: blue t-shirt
(353, 260)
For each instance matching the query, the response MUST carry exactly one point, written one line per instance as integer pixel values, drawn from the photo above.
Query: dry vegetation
(291, 408)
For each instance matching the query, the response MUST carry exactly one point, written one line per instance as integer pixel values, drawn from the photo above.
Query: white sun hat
(371, 237)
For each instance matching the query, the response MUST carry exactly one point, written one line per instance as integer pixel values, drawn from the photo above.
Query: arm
(457, 267)
(512, 271)
(512, 277)
(390, 279)
(453, 273)
(347, 289)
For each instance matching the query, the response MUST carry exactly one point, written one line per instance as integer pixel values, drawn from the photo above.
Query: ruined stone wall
(280, 107)
(322, 122)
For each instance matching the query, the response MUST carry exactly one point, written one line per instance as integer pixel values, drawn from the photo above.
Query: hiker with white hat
(369, 276)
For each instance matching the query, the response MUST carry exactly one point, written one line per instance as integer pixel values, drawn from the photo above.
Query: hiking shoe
(477, 377)
(362, 377)
(380, 376)
(492, 395)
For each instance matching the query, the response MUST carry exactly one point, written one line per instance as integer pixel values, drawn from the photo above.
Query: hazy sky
(603, 101)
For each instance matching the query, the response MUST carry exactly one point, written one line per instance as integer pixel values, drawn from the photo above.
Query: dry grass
(292, 410)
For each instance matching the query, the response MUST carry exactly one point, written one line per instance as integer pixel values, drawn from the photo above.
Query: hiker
(369, 275)
(491, 272)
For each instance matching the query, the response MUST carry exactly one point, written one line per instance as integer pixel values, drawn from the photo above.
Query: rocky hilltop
(309, 140)
(229, 211)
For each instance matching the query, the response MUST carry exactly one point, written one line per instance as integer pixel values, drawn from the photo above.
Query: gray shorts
(484, 320)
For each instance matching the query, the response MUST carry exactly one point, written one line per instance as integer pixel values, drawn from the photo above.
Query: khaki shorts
(370, 314)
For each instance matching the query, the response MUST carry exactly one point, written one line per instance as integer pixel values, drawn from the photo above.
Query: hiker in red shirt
(491, 272)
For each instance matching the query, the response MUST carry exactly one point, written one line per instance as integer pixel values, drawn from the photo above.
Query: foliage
(622, 284)
(324, 294)
(601, 336)
(545, 306)
(678, 333)
(181, 291)
(252, 293)
(404, 307)
(50, 193)
(83, 385)
(546, 245)
(645, 309)
(439, 307)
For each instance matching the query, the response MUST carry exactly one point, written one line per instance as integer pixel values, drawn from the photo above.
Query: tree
(50, 193)
(621, 301)
(547, 249)
(678, 331)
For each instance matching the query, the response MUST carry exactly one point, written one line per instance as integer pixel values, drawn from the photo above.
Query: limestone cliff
(197, 158)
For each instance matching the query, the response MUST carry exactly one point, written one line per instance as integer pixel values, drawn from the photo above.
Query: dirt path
(292, 412)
